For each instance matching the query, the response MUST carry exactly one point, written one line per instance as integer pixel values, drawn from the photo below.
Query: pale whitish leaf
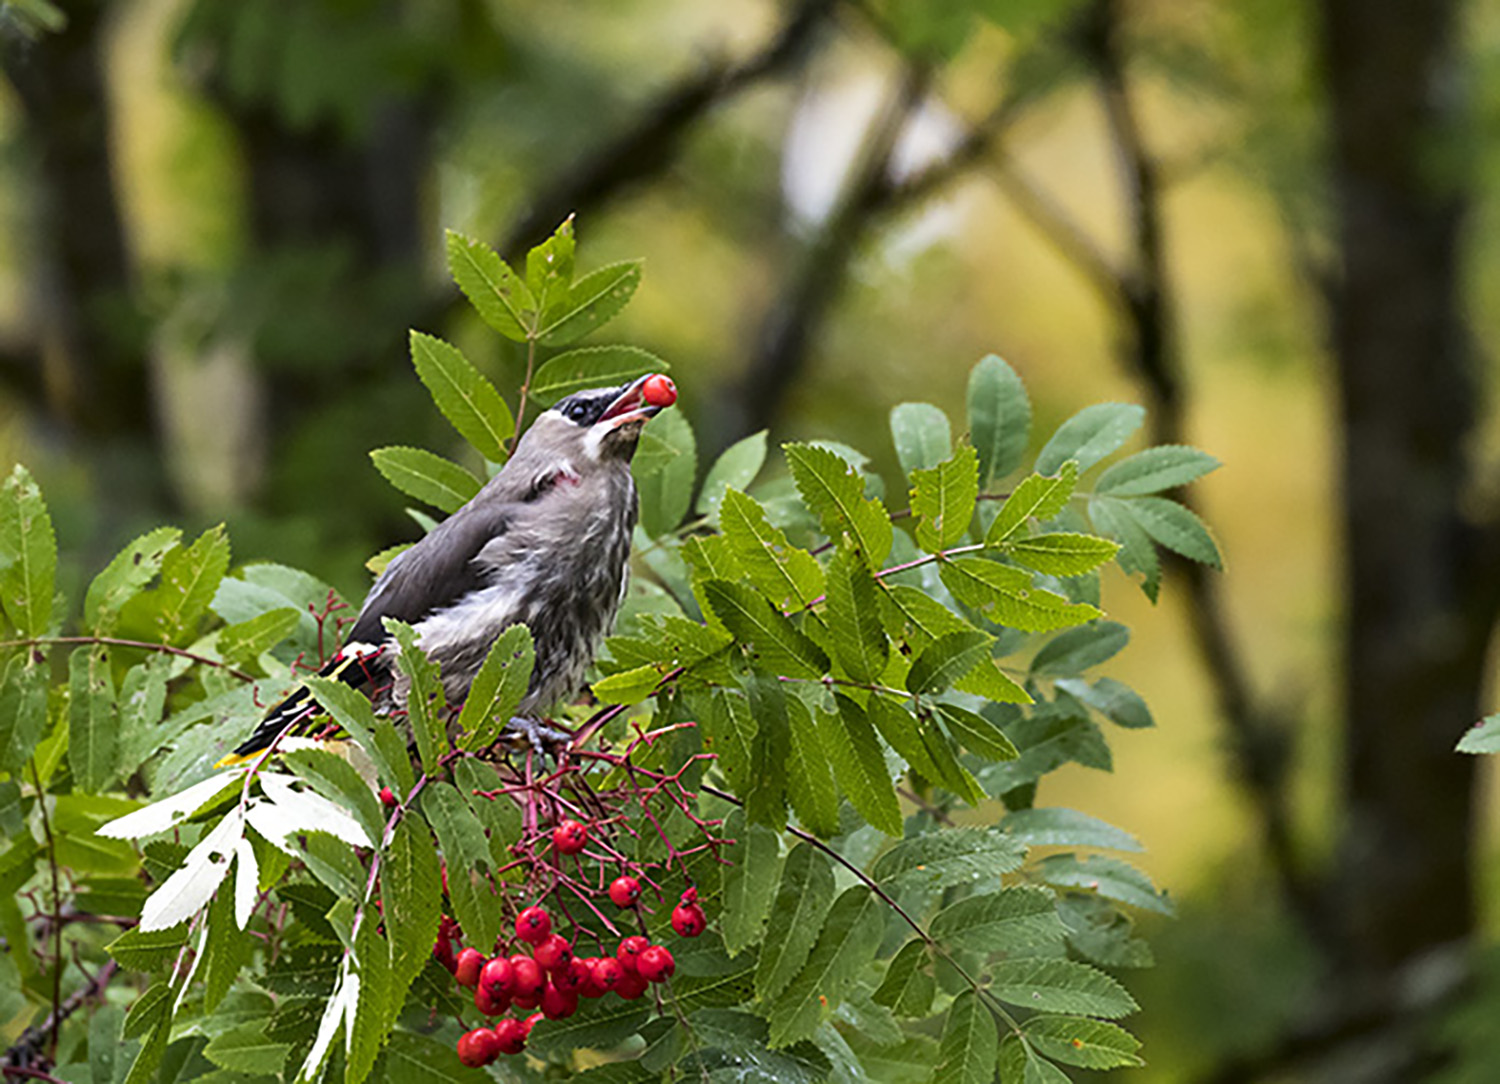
(1176, 527)
(1011, 920)
(1038, 497)
(289, 806)
(909, 984)
(970, 1041)
(469, 401)
(28, 555)
(183, 894)
(1058, 827)
(735, 468)
(1110, 877)
(592, 367)
(132, 568)
(1079, 649)
(664, 467)
(943, 499)
(801, 905)
(1062, 553)
(848, 942)
(1116, 518)
(999, 418)
(593, 301)
(495, 291)
(951, 858)
(1090, 435)
(790, 577)
(1117, 702)
(781, 646)
(921, 434)
(859, 766)
(1154, 470)
(341, 1005)
(427, 477)
(1088, 1044)
(169, 812)
(859, 640)
(749, 883)
(340, 782)
(246, 881)
(835, 492)
(1482, 737)
(1054, 985)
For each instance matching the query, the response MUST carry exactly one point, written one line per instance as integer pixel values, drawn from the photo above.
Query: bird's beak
(630, 405)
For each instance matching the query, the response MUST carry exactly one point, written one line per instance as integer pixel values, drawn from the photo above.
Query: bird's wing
(435, 572)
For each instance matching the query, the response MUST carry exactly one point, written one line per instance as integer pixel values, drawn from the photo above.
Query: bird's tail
(352, 666)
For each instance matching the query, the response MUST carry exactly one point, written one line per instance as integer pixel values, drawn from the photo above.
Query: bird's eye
(578, 411)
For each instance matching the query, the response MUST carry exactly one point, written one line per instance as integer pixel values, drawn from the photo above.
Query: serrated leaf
(28, 555)
(835, 492)
(765, 800)
(1076, 650)
(916, 616)
(352, 711)
(426, 708)
(184, 894)
(1176, 527)
(902, 732)
(337, 780)
(665, 464)
(943, 498)
(735, 468)
(847, 942)
(948, 859)
(858, 637)
(288, 807)
(1090, 435)
(246, 1050)
(549, 265)
(369, 1024)
(1066, 986)
(967, 1052)
(1117, 702)
(999, 418)
(976, 733)
(592, 302)
(1109, 877)
(23, 711)
(752, 619)
(790, 577)
(427, 477)
(802, 901)
(1039, 497)
(496, 292)
(131, 570)
(859, 765)
(811, 787)
(190, 576)
(729, 730)
(498, 689)
(410, 1058)
(225, 950)
(148, 950)
(468, 400)
(245, 641)
(921, 434)
(93, 730)
(1008, 597)
(1062, 553)
(946, 660)
(749, 884)
(1059, 827)
(467, 854)
(411, 892)
(1011, 921)
(1116, 518)
(1154, 470)
(1482, 737)
(909, 985)
(592, 367)
(1088, 1044)
(1019, 1064)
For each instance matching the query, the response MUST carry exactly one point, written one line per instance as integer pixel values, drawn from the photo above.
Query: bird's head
(603, 423)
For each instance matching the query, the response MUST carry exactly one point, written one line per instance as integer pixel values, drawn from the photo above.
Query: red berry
(497, 976)
(690, 895)
(466, 971)
(490, 1003)
(526, 1003)
(630, 986)
(688, 920)
(554, 954)
(478, 1047)
(512, 1035)
(558, 1004)
(629, 952)
(624, 891)
(528, 979)
(656, 964)
(533, 925)
(388, 798)
(659, 391)
(443, 950)
(574, 977)
(591, 987)
(607, 973)
(570, 836)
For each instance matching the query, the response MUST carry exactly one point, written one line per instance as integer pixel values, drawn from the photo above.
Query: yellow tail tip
(234, 758)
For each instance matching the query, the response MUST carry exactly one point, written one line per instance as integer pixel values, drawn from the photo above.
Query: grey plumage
(545, 543)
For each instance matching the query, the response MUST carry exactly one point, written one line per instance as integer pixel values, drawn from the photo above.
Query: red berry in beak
(659, 391)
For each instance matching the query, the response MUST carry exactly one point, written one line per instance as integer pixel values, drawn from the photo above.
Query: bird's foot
(543, 739)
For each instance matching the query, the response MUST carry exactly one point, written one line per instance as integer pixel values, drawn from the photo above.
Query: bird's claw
(543, 739)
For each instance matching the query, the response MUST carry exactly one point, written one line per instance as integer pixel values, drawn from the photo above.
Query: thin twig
(143, 645)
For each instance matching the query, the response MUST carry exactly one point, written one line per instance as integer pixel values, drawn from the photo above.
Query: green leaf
(944, 498)
(903, 733)
(749, 884)
(917, 617)
(148, 950)
(425, 707)
(351, 710)
(1117, 702)
(976, 733)
(1176, 527)
(859, 765)
(246, 1050)
(858, 637)
(765, 800)
(847, 943)
(1154, 470)
(23, 711)
(1019, 1064)
(549, 266)
(190, 576)
(835, 492)
(495, 291)
(104, 1043)
(811, 787)
(467, 854)
(802, 901)
(1088, 1044)
(946, 660)
(1116, 518)
(1482, 737)
(1058, 827)
(949, 859)
(93, 730)
(1062, 553)
(500, 816)
(245, 641)
(1109, 877)
(780, 645)
(1090, 435)
(909, 985)
(498, 689)
(427, 477)
(1012, 920)
(729, 731)
(124, 577)
(999, 418)
(468, 400)
(333, 861)
(1051, 985)
(665, 464)
(1008, 597)
(970, 1043)
(735, 468)
(410, 1058)
(790, 577)
(921, 434)
(369, 1025)
(592, 367)
(28, 555)
(411, 893)
(225, 952)
(592, 302)
(1038, 497)
(1076, 650)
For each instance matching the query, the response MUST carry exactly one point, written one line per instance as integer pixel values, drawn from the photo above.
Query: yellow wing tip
(234, 758)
